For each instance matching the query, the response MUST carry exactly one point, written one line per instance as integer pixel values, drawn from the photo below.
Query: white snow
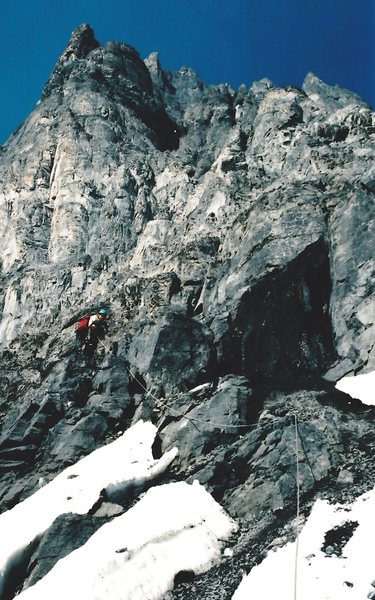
(319, 577)
(361, 387)
(126, 461)
(174, 527)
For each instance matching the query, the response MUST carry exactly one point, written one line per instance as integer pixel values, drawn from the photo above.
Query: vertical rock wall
(229, 232)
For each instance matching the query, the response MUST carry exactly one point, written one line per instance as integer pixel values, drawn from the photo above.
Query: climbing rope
(297, 509)
(169, 408)
(224, 426)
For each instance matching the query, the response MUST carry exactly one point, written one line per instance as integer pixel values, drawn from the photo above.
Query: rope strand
(297, 510)
(226, 425)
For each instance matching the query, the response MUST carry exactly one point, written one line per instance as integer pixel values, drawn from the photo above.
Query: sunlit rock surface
(230, 234)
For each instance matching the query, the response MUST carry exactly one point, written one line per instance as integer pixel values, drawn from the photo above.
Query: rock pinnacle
(81, 42)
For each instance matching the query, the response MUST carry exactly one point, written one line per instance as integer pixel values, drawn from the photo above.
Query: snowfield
(320, 575)
(125, 462)
(174, 527)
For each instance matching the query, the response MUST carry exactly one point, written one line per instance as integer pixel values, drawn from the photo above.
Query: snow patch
(125, 462)
(320, 574)
(175, 527)
(361, 387)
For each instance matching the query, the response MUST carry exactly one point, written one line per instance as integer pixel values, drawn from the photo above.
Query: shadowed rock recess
(229, 234)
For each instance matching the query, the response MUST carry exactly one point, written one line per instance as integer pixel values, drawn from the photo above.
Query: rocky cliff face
(229, 234)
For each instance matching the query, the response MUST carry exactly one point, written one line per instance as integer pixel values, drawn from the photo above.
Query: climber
(91, 329)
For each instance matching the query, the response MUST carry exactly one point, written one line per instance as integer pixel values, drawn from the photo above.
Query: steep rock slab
(202, 422)
(67, 532)
(175, 353)
(352, 267)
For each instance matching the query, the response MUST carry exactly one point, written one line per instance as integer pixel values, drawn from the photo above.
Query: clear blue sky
(233, 41)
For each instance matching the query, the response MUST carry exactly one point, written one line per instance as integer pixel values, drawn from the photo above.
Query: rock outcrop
(230, 234)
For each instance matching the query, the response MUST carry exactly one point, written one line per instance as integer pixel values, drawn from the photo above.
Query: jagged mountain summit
(230, 235)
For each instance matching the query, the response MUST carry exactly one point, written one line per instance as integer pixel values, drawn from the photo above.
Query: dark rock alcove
(283, 327)
(166, 132)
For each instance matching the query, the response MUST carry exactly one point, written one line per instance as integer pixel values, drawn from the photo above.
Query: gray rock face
(230, 233)
(68, 533)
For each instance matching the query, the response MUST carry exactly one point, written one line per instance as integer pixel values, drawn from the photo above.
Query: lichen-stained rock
(229, 233)
(298, 342)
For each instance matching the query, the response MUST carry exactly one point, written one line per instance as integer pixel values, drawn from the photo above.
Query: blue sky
(230, 41)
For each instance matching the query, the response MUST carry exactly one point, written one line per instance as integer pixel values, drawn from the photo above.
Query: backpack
(82, 327)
